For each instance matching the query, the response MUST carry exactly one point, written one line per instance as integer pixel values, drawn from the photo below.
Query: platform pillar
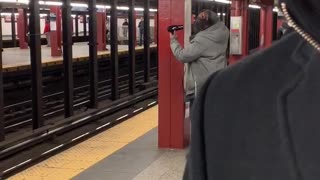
(55, 34)
(101, 31)
(240, 8)
(172, 132)
(136, 28)
(132, 50)
(2, 133)
(266, 26)
(22, 29)
(155, 33)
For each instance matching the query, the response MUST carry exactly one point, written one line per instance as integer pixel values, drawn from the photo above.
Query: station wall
(7, 29)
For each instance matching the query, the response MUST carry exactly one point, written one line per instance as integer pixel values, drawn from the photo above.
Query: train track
(19, 115)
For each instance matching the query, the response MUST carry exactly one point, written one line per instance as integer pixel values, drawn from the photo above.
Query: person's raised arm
(190, 53)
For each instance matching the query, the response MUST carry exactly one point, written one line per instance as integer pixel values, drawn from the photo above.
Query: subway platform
(128, 151)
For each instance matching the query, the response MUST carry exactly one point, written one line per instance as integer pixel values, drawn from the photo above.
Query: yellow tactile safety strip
(73, 161)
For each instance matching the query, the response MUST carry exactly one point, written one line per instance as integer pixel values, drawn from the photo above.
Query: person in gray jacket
(206, 53)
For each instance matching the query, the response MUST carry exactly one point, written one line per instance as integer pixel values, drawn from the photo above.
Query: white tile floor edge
(170, 166)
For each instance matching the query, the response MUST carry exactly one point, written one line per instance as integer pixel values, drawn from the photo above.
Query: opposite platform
(16, 58)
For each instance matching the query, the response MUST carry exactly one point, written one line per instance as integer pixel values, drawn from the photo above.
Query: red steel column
(269, 25)
(101, 31)
(171, 93)
(245, 28)
(266, 26)
(22, 29)
(240, 8)
(262, 27)
(55, 33)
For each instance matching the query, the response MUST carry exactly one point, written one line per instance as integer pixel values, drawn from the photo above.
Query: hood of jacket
(216, 32)
(306, 13)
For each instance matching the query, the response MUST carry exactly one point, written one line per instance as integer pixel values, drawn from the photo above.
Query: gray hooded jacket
(205, 55)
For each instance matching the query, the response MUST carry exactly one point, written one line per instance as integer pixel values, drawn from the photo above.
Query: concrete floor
(140, 160)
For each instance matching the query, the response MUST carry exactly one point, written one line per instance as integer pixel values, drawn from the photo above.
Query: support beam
(114, 50)
(93, 54)
(156, 27)
(22, 28)
(36, 66)
(77, 25)
(266, 26)
(2, 134)
(172, 132)
(55, 34)
(146, 37)
(132, 51)
(269, 25)
(85, 25)
(240, 8)
(101, 30)
(67, 58)
(13, 28)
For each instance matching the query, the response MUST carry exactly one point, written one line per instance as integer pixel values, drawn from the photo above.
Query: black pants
(141, 37)
(190, 99)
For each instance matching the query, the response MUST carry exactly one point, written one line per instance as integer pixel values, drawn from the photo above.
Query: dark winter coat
(260, 119)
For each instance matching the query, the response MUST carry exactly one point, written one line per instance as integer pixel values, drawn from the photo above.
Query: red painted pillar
(155, 27)
(262, 27)
(171, 94)
(22, 29)
(245, 28)
(55, 34)
(269, 25)
(240, 8)
(101, 31)
(266, 26)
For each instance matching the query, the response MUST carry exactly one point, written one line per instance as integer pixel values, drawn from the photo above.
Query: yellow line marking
(73, 161)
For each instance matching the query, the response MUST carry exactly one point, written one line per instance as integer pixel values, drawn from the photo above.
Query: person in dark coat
(260, 119)
(141, 31)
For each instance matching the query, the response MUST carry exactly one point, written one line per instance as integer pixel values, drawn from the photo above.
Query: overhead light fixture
(101, 7)
(52, 3)
(8, 1)
(79, 5)
(23, 1)
(223, 1)
(254, 6)
(122, 8)
(56, 3)
(15, 1)
(138, 9)
(9, 14)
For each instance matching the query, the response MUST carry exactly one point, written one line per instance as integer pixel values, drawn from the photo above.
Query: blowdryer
(174, 28)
